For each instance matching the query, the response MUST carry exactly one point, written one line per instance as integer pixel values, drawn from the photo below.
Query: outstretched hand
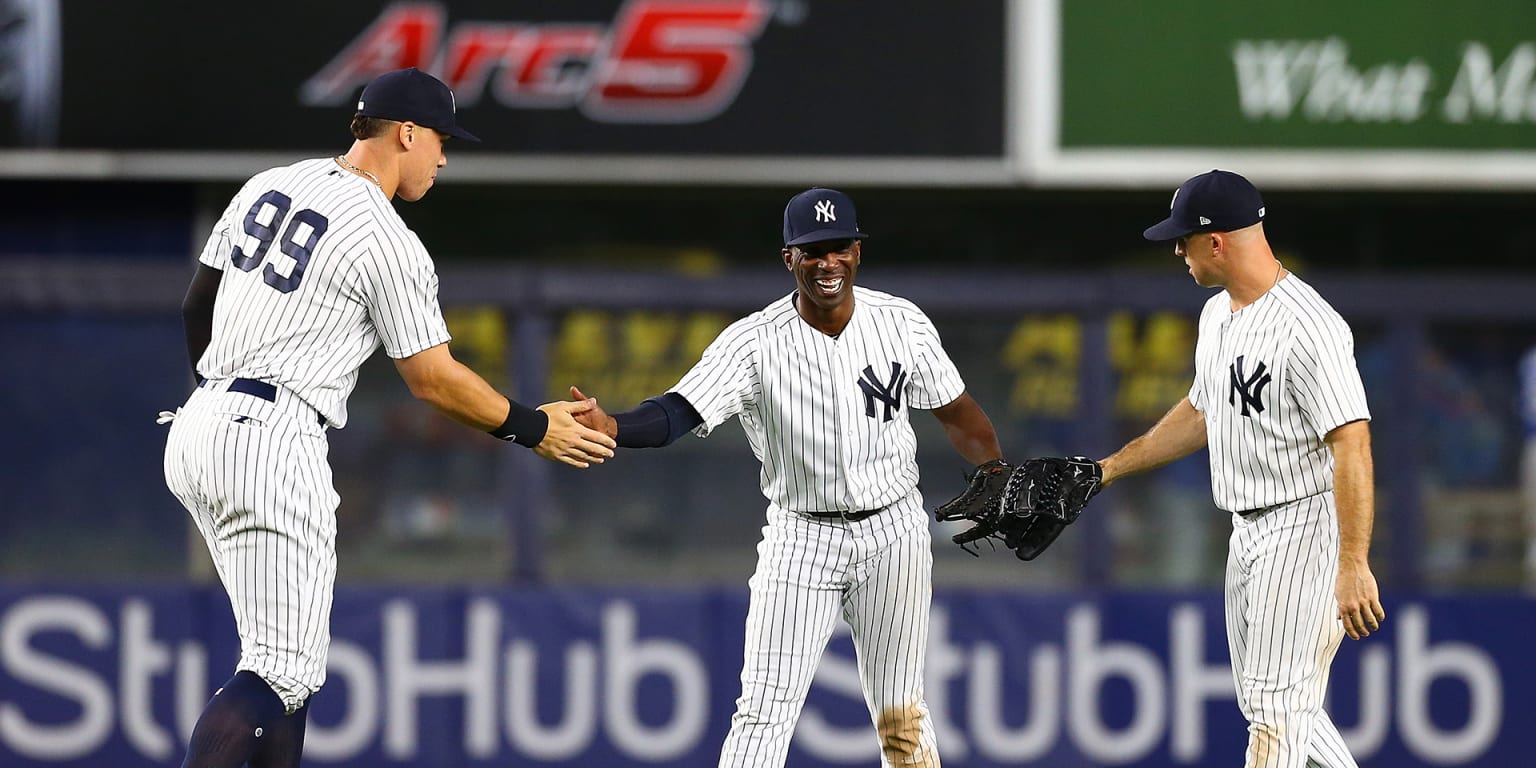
(595, 417)
(568, 440)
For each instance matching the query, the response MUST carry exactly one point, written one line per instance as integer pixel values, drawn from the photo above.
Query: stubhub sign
(616, 678)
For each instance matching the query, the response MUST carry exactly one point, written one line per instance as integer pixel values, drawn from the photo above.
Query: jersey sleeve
(216, 251)
(935, 381)
(1324, 377)
(722, 383)
(399, 284)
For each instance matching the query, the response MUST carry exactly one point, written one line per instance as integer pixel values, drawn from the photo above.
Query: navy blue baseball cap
(411, 95)
(1218, 201)
(819, 214)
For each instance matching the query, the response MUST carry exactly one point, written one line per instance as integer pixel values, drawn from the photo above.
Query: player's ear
(789, 260)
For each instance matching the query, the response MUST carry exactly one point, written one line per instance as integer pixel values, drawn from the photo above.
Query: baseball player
(308, 271)
(1278, 399)
(823, 380)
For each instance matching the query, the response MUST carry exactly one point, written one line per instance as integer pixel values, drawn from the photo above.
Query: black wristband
(524, 425)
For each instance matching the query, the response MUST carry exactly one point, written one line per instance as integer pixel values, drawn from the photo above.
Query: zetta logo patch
(888, 393)
(659, 61)
(1249, 388)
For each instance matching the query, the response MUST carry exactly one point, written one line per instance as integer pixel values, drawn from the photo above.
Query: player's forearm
(655, 423)
(460, 394)
(969, 430)
(977, 446)
(450, 387)
(1179, 433)
(199, 329)
(1353, 490)
(197, 312)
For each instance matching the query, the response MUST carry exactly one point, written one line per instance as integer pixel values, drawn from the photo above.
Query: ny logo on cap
(825, 211)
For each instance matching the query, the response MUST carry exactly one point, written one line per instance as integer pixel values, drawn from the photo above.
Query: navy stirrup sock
(234, 722)
(283, 743)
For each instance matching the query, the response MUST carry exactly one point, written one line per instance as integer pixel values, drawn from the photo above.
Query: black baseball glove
(980, 502)
(1042, 497)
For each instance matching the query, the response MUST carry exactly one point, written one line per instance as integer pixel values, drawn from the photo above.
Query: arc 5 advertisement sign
(607, 90)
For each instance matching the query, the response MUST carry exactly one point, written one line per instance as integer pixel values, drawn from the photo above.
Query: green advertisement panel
(1305, 74)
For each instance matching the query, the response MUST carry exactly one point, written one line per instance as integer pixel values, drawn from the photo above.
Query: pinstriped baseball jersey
(319, 269)
(1272, 379)
(827, 417)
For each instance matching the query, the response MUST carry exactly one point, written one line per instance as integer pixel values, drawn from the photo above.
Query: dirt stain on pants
(900, 732)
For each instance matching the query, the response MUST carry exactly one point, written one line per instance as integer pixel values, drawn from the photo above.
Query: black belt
(1273, 507)
(853, 516)
(254, 388)
(1261, 510)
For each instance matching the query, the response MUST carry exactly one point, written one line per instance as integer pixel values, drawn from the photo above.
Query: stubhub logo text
(568, 678)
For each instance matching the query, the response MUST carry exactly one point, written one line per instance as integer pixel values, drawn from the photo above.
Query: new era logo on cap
(1218, 201)
(819, 214)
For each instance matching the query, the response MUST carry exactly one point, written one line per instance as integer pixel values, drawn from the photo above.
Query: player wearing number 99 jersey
(307, 272)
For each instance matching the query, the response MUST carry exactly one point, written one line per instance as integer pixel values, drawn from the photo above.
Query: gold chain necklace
(343, 160)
